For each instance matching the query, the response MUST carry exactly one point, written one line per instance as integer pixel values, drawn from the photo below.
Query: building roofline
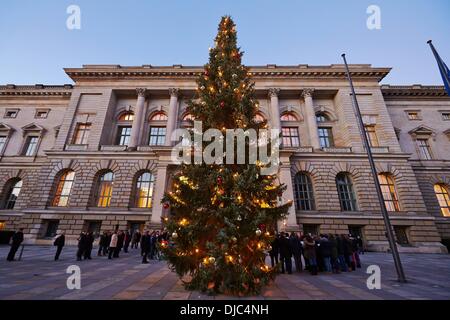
(415, 90)
(36, 90)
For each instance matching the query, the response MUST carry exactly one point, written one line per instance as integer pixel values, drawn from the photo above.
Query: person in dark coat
(275, 250)
(136, 239)
(59, 242)
(296, 246)
(81, 245)
(310, 253)
(103, 244)
(16, 241)
(145, 246)
(120, 240)
(347, 251)
(127, 239)
(89, 245)
(325, 251)
(341, 254)
(285, 253)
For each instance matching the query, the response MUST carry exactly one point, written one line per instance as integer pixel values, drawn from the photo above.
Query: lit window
(41, 114)
(104, 189)
(13, 190)
(424, 149)
(290, 137)
(2, 143)
(157, 136)
(63, 189)
(258, 118)
(160, 116)
(389, 193)
(123, 135)
(31, 146)
(325, 137)
(188, 117)
(288, 117)
(126, 116)
(144, 190)
(304, 195)
(346, 193)
(371, 135)
(442, 195)
(11, 113)
(413, 115)
(321, 117)
(82, 133)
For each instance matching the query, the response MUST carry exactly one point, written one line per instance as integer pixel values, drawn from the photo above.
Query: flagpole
(384, 212)
(440, 66)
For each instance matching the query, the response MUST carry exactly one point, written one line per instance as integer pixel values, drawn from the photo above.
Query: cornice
(36, 90)
(415, 90)
(91, 72)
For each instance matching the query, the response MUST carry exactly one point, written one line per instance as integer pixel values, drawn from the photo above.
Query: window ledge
(379, 149)
(338, 149)
(76, 147)
(113, 148)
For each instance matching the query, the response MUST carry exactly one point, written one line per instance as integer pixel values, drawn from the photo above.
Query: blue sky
(35, 44)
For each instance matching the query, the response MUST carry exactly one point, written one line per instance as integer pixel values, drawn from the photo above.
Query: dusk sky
(36, 44)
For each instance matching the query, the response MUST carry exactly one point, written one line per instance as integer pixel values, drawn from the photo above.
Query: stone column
(288, 195)
(160, 188)
(138, 114)
(310, 117)
(173, 115)
(275, 108)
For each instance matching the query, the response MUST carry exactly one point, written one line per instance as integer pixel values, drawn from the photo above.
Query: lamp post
(384, 212)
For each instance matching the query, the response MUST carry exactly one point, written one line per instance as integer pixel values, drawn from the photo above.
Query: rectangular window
(401, 235)
(445, 116)
(94, 227)
(52, 228)
(424, 149)
(31, 146)
(371, 135)
(157, 136)
(290, 137)
(11, 113)
(124, 133)
(413, 115)
(41, 114)
(325, 137)
(82, 133)
(2, 143)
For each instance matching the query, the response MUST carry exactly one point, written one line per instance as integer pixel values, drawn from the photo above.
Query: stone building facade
(96, 155)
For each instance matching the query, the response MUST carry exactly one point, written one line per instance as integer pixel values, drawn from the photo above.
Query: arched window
(322, 117)
(159, 116)
(304, 194)
(63, 189)
(12, 191)
(104, 189)
(389, 193)
(188, 117)
(157, 129)
(346, 193)
(126, 116)
(288, 117)
(144, 190)
(441, 191)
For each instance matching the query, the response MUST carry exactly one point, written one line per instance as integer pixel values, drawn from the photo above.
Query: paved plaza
(38, 277)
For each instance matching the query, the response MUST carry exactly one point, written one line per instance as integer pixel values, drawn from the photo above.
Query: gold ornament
(174, 235)
(234, 239)
(258, 232)
(211, 259)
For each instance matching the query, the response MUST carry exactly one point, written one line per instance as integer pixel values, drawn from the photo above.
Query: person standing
(89, 244)
(127, 241)
(296, 251)
(113, 245)
(120, 240)
(325, 250)
(81, 245)
(285, 253)
(145, 246)
(59, 242)
(103, 244)
(16, 241)
(136, 239)
(310, 254)
(275, 250)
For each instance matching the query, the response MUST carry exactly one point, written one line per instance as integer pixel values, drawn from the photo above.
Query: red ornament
(219, 180)
(222, 104)
(262, 226)
(166, 205)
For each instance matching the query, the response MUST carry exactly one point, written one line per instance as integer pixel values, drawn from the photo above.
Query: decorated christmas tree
(223, 216)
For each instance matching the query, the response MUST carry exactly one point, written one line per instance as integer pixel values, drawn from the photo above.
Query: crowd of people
(316, 253)
(328, 253)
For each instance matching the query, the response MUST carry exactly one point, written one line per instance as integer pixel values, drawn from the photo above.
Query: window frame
(121, 138)
(421, 147)
(104, 190)
(290, 137)
(304, 192)
(16, 113)
(160, 135)
(61, 185)
(371, 134)
(389, 191)
(445, 194)
(46, 111)
(84, 136)
(349, 202)
(328, 138)
(149, 195)
(9, 188)
(26, 151)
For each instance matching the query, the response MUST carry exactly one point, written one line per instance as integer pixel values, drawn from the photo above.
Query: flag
(445, 72)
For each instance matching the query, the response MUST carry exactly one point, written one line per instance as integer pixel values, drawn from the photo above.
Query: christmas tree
(223, 216)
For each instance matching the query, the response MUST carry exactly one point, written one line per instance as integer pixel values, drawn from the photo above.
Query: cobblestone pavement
(38, 277)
